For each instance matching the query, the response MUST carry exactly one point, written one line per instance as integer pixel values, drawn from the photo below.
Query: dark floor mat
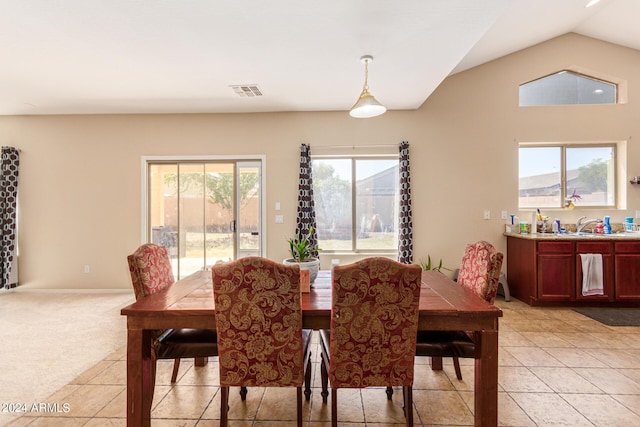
(612, 316)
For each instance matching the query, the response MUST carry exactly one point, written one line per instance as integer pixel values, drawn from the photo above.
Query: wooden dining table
(189, 303)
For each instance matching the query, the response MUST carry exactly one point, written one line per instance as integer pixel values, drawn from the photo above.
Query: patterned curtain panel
(8, 217)
(306, 207)
(405, 226)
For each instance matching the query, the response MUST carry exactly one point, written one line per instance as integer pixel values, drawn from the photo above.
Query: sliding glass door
(248, 236)
(204, 211)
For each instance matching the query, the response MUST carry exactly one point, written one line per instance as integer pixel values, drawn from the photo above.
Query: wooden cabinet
(606, 250)
(549, 271)
(556, 271)
(627, 271)
(521, 269)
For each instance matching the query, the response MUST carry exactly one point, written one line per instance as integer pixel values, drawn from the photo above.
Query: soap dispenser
(607, 225)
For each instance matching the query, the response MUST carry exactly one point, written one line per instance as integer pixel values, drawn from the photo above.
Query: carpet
(49, 338)
(612, 316)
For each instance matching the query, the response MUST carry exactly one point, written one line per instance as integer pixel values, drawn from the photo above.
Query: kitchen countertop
(572, 236)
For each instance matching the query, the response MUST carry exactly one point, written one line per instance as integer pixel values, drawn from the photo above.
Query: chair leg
(334, 407)
(224, 406)
(307, 380)
(404, 401)
(502, 283)
(408, 405)
(456, 365)
(299, 408)
(176, 367)
(389, 393)
(324, 379)
(200, 361)
(243, 393)
(436, 363)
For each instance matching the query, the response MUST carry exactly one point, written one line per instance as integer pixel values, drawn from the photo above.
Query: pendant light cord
(365, 88)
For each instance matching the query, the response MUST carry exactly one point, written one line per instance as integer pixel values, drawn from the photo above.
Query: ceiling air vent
(246, 91)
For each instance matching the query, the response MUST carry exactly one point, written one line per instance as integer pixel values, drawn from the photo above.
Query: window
(356, 201)
(555, 176)
(567, 88)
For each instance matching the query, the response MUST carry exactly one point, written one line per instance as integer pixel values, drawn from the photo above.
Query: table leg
(486, 379)
(140, 379)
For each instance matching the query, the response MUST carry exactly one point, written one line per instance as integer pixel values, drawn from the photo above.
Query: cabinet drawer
(628, 247)
(555, 247)
(593, 247)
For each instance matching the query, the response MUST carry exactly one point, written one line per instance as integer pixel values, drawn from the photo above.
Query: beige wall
(80, 184)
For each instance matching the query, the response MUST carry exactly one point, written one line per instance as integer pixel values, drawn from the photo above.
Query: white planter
(313, 265)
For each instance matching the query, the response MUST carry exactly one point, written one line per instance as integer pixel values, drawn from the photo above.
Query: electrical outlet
(637, 214)
(279, 219)
(487, 214)
(503, 215)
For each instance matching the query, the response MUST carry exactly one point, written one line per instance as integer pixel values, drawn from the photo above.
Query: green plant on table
(301, 247)
(428, 265)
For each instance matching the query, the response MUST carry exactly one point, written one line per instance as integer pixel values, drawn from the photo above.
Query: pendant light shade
(367, 105)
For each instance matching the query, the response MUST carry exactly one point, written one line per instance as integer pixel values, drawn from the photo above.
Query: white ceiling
(182, 56)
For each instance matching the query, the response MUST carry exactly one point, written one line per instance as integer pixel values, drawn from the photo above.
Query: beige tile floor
(557, 368)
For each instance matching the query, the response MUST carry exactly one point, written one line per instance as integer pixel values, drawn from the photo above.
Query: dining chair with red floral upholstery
(259, 322)
(374, 321)
(150, 269)
(479, 272)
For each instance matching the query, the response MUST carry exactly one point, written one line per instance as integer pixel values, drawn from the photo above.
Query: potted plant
(301, 250)
(429, 266)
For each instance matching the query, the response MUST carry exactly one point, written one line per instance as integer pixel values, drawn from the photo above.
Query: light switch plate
(637, 214)
(503, 215)
(277, 206)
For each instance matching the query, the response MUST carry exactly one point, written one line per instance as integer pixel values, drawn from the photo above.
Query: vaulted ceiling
(184, 56)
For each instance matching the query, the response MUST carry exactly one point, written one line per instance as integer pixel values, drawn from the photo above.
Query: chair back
(259, 323)
(150, 269)
(374, 322)
(480, 269)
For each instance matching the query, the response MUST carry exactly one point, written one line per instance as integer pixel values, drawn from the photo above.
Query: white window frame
(145, 160)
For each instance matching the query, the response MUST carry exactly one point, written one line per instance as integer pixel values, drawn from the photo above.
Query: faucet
(581, 224)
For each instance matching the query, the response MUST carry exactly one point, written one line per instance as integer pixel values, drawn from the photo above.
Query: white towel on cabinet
(592, 274)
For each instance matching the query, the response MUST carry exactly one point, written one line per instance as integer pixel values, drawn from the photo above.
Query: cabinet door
(627, 265)
(606, 250)
(556, 271)
(521, 269)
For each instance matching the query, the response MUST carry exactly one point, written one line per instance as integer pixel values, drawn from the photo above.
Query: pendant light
(366, 106)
